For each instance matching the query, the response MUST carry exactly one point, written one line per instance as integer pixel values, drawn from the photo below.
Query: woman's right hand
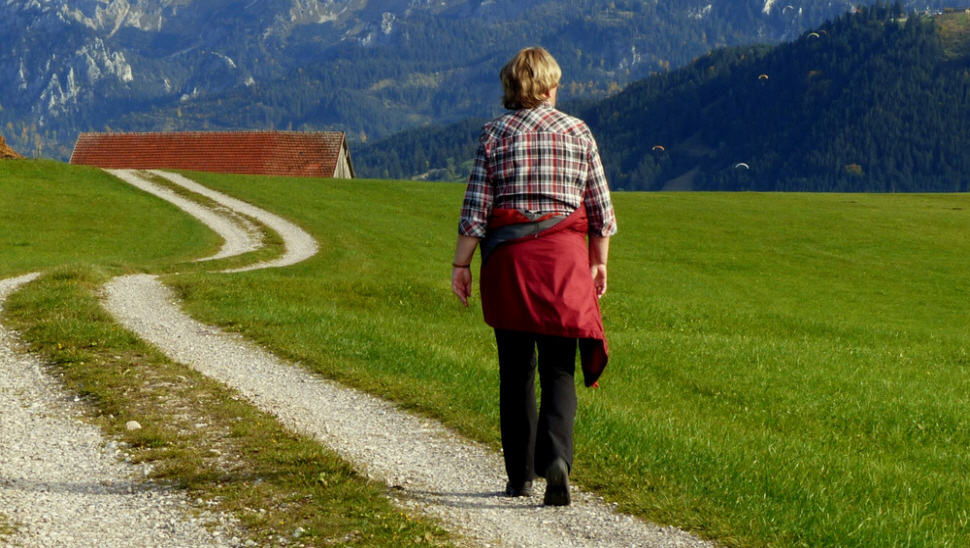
(461, 272)
(599, 278)
(599, 252)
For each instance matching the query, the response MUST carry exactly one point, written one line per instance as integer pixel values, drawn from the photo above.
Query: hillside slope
(872, 101)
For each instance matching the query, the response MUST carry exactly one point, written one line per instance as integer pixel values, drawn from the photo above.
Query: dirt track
(434, 470)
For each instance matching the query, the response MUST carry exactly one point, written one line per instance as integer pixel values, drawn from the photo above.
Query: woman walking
(538, 206)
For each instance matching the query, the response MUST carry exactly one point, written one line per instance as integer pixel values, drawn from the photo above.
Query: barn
(279, 153)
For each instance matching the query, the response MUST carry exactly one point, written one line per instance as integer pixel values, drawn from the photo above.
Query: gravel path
(434, 470)
(238, 237)
(63, 485)
(300, 246)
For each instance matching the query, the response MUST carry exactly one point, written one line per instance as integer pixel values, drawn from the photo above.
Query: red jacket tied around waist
(540, 282)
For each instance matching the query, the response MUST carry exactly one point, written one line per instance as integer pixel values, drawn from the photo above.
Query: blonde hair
(528, 78)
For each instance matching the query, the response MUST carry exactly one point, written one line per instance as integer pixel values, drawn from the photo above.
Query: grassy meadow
(54, 214)
(80, 226)
(787, 370)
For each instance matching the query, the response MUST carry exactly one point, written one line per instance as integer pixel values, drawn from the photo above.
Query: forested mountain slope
(872, 101)
(370, 68)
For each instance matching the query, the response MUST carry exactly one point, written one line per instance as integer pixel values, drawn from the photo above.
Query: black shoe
(523, 489)
(557, 484)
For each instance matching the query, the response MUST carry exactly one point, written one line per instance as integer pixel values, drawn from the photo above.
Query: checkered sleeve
(479, 196)
(599, 206)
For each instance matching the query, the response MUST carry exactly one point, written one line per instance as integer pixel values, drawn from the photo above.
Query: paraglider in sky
(658, 148)
(742, 164)
(813, 35)
(763, 78)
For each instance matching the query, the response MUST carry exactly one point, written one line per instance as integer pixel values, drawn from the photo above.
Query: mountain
(873, 101)
(367, 67)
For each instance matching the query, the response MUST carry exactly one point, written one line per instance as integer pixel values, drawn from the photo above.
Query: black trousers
(531, 440)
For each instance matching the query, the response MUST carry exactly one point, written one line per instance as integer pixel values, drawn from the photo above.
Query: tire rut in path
(237, 239)
(299, 245)
(63, 485)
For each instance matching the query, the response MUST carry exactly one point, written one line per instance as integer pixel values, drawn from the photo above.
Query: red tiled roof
(282, 153)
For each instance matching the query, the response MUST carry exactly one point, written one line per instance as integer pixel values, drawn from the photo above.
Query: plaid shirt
(538, 160)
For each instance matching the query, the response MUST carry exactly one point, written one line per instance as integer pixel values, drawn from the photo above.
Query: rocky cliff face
(51, 64)
(64, 54)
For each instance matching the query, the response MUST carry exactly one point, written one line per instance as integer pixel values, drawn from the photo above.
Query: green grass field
(52, 214)
(787, 369)
(79, 227)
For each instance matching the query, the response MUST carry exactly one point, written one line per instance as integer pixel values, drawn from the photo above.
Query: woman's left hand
(599, 279)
